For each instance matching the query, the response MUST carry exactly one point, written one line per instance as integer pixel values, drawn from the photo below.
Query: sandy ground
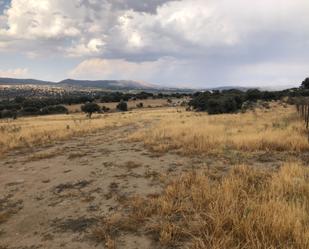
(53, 197)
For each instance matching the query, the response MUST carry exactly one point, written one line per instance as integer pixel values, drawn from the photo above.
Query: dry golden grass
(247, 208)
(278, 129)
(27, 132)
(42, 130)
(113, 226)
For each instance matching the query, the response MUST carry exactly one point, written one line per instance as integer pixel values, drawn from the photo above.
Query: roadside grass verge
(247, 208)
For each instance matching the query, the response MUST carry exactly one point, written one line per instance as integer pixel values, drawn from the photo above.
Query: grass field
(42, 130)
(32, 131)
(244, 206)
(276, 129)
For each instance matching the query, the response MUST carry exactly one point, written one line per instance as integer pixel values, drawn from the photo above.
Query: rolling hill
(13, 81)
(100, 84)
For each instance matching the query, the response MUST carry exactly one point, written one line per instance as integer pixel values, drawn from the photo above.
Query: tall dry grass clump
(278, 129)
(247, 208)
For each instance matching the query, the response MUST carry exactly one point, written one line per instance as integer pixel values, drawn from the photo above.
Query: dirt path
(53, 197)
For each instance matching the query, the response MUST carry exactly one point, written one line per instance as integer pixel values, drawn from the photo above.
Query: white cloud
(215, 24)
(55, 25)
(92, 47)
(14, 73)
(45, 19)
(208, 40)
(176, 26)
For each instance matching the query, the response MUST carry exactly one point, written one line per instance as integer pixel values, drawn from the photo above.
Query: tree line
(31, 106)
(231, 101)
(213, 102)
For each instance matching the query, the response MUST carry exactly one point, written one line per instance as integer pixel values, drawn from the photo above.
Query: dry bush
(278, 129)
(247, 208)
(111, 228)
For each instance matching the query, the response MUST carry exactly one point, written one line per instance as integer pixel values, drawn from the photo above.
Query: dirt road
(53, 197)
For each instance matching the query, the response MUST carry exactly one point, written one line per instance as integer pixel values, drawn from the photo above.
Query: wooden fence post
(307, 120)
(302, 107)
(302, 111)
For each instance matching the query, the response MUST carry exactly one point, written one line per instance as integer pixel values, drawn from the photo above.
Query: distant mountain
(277, 88)
(261, 88)
(101, 84)
(121, 85)
(225, 88)
(107, 84)
(12, 81)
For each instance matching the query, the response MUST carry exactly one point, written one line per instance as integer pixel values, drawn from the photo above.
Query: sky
(179, 43)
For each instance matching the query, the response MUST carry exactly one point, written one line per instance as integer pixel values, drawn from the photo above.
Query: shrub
(31, 110)
(253, 95)
(10, 106)
(90, 108)
(105, 109)
(19, 99)
(216, 105)
(230, 101)
(122, 106)
(140, 105)
(8, 114)
(305, 84)
(58, 109)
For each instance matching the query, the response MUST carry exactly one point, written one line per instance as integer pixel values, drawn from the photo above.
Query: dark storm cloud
(149, 6)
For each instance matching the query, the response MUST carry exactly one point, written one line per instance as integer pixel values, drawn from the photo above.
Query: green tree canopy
(305, 84)
(90, 108)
